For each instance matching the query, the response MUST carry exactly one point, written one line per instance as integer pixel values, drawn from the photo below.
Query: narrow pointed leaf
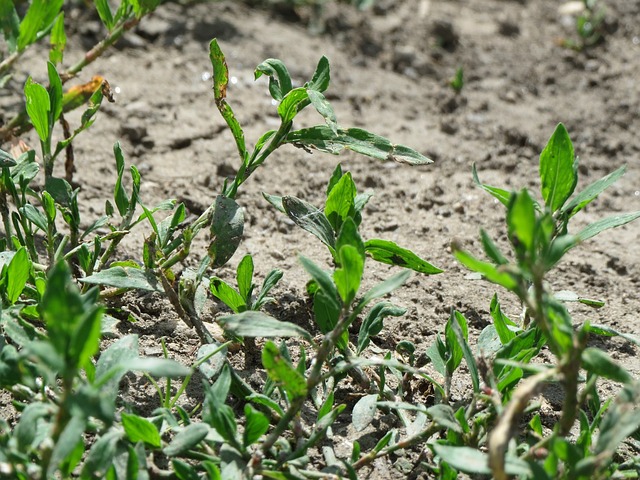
(598, 362)
(324, 108)
(390, 253)
(385, 287)
(321, 77)
(489, 271)
(245, 276)
(499, 194)
(125, 277)
(586, 196)
(310, 219)
(220, 81)
(258, 324)
(38, 107)
(186, 439)
(322, 138)
(605, 224)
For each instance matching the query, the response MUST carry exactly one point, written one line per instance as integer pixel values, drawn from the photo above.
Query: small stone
(508, 28)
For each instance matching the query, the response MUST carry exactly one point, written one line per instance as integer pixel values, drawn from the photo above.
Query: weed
(54, 272)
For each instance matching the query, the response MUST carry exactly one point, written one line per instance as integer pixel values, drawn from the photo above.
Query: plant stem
(504, 429)
(191, 320)
(431, 429)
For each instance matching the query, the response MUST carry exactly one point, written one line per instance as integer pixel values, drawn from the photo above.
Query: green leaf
(324, 108)
(444, 416)
(220, 81)
(498, 275)
(322, 138)
(503, 196)
(125, 277)
(321, 77)
(373, 322)
(292, 103)
(605, 224)
(521, 221)
(276, 201)
(101, 455)
(323, 279)
(6, 160)
(610, 332)
(364, 412)
(504, 326)
(348, 276)
(244, 276)
(491, 249)
(140, 429)
(113, 362)
(350, 236)
(471, 460)
(38, 107)
(58, 40)
(104, 12)
(279, 78)
(186, 439)
(558, 169)
(227, 227)
(62, 307)
(282, 372)
(596, 361)
(17, 274)
(270, 281)
(340, 202)
(224, 292)
(25, 432)
(385, 287)
(40, 15)
(590, 193)
(258, 324)
(459, 326)
(388, 252)
(216, 356)
(326, 311)
(256, 425)
(309, 218)
(55, 93)
(621, 420)
(9, 24)
(119, 195)
(67, 443)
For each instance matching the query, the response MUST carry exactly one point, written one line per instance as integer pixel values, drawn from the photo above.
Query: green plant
(539, 238)
(46, 18)
(457, 82)
(590, 25)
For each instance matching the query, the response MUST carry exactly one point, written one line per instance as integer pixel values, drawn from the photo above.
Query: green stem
(100, 48)
(425, 434)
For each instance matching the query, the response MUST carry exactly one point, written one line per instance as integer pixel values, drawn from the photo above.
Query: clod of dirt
(445, 35)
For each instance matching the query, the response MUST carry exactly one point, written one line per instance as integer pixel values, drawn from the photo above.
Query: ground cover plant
(58, 269)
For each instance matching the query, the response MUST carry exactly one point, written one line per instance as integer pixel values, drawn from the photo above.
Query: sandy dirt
(390, 67)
